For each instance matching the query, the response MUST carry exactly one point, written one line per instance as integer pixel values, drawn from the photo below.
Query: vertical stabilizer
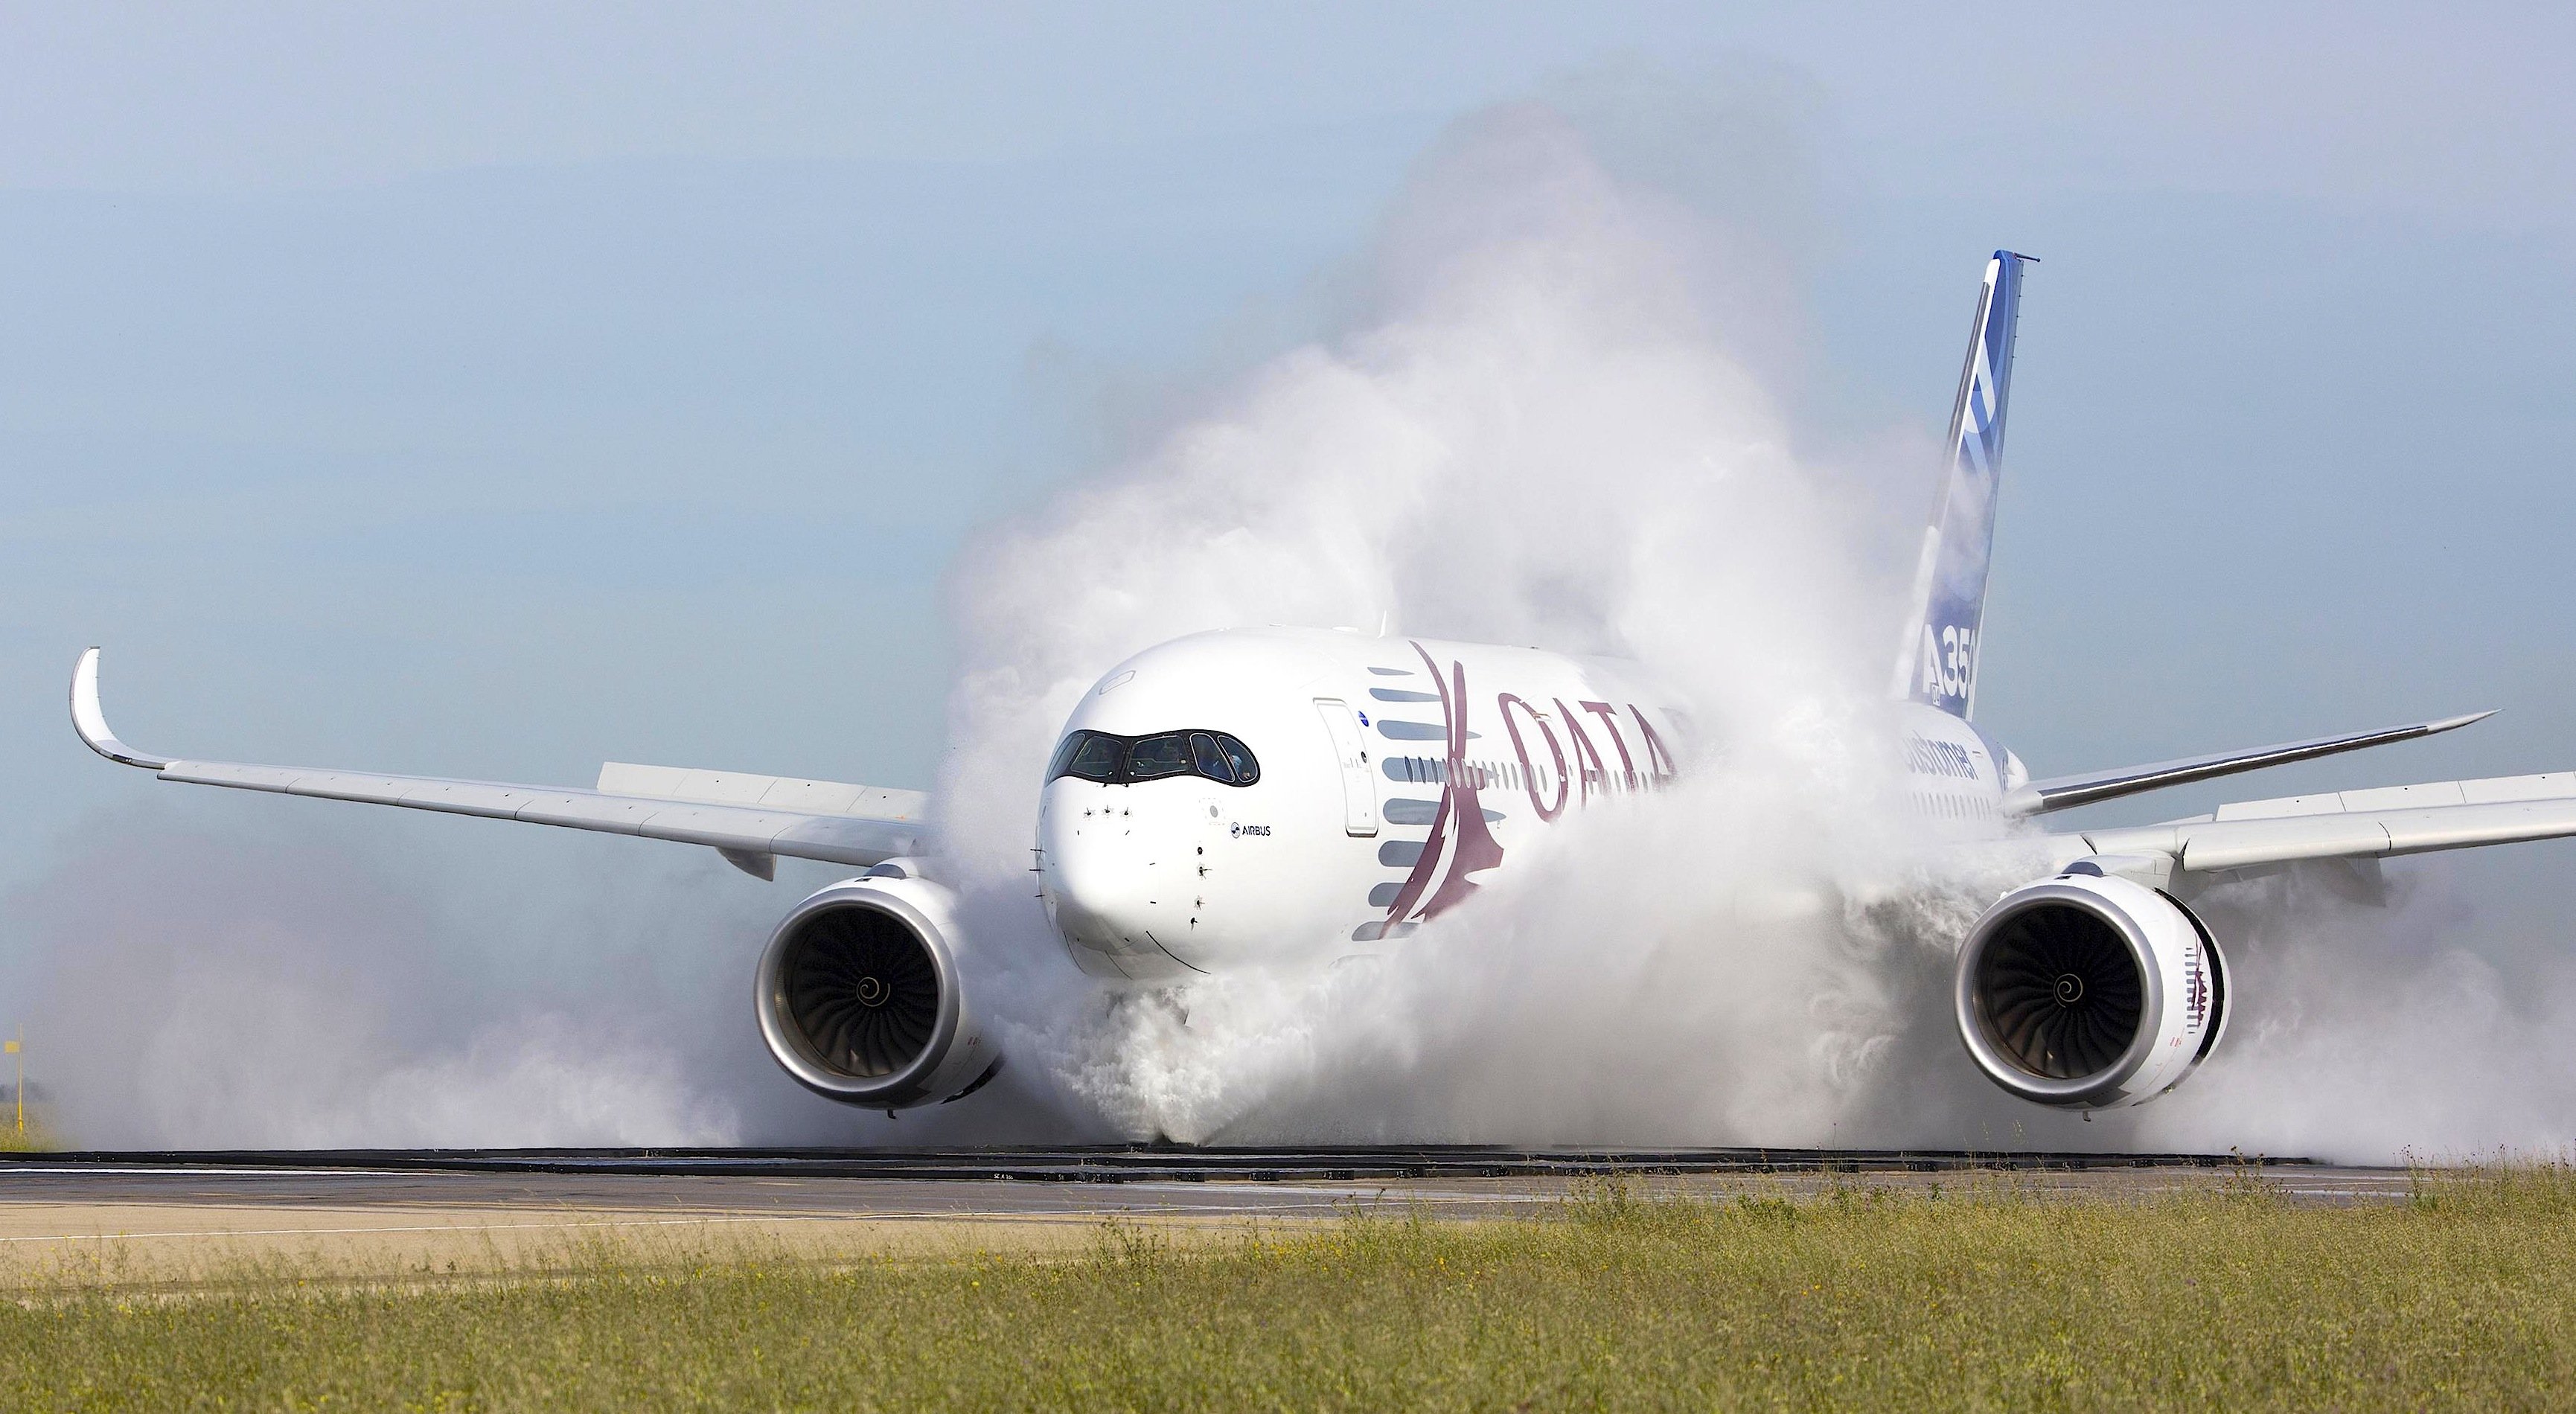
(1938, 664)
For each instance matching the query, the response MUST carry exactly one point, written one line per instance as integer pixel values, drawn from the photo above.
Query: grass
(1990, 1297)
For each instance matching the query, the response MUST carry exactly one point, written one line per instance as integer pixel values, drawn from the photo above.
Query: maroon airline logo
(1460, 844)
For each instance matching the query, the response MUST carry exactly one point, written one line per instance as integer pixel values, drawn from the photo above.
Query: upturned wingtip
(90, 720)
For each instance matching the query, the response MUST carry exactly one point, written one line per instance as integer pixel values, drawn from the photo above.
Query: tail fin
(1938, 664)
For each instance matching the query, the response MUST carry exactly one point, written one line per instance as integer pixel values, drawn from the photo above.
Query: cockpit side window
(1090, 756)
(1117, 760)
(1239, 756)
(1210, 761)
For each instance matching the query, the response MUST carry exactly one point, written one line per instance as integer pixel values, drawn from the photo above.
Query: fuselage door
(1359, 793)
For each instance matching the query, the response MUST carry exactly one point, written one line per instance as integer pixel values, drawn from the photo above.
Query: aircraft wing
(2067, 792)
(750, 820)
(2354, 824)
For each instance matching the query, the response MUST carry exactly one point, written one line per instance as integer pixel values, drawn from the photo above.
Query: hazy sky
(491, 390)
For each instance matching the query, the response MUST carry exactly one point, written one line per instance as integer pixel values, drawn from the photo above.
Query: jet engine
(860, 997)
(2090, 991)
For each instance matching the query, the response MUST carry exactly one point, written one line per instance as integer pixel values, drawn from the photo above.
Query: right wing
(2354, 824)
(750, 820)
(2067, 792)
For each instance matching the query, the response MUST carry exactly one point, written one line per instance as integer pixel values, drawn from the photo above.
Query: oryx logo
(1460, 844)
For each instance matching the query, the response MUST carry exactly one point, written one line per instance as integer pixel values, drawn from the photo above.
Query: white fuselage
(1393, 775)
(1956, 776)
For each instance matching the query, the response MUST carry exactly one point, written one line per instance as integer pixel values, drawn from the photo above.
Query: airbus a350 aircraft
(1243, 795)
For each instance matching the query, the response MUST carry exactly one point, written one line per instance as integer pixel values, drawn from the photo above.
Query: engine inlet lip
(789, 1047)
(1998, 1064)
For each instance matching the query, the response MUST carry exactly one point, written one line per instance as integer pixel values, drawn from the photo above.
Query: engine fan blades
(863, 991)
(2060, 991)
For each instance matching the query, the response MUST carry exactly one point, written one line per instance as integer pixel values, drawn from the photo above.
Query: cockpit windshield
(1125, 760)
(1158, 756)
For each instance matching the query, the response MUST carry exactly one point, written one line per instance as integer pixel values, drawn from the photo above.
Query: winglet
(91, 722)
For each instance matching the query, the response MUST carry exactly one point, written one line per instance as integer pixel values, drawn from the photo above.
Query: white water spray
(1553, 426)
(208, 993)
(1540, 431)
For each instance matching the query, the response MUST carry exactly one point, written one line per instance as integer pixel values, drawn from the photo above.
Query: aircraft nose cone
(1117, 875)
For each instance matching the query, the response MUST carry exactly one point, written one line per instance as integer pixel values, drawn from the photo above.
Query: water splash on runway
(207, 993)
(1551, 420)
(1556, 417)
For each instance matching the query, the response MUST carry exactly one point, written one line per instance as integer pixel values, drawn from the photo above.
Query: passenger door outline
(1359, 793)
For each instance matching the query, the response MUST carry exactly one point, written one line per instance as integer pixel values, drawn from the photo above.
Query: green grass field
(1976, 1298)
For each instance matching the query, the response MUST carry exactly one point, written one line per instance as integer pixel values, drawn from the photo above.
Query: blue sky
(496, 391)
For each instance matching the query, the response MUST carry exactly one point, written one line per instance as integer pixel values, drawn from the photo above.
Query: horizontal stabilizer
(2067, 792)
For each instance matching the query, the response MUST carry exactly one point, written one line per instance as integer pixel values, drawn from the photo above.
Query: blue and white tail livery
(1938, 663)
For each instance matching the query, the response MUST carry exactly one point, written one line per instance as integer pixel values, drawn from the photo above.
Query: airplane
(1238, 797)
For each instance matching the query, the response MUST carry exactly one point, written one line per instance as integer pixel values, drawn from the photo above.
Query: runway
(434, 1209)
(1119, 1163)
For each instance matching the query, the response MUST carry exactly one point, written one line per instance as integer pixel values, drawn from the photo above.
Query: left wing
(2067, 792)
(750, 820)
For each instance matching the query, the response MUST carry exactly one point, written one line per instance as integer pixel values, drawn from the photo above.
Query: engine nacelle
(860, 998)
(2089, 991)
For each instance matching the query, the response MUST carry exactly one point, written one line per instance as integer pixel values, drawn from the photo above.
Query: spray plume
(1554, 421)
(199, 992)
(1541, 428)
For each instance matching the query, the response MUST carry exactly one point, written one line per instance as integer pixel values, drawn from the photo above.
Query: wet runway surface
(134, 1216)
(952, 1184)
(1113, 1163)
